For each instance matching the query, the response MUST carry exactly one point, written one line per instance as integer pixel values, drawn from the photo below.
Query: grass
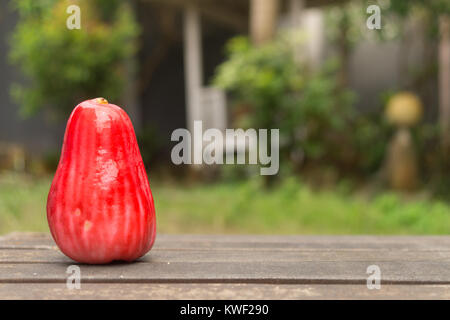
(245, 207)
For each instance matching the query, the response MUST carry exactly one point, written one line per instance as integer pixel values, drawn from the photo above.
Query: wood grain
(206, 291)
(239, 266)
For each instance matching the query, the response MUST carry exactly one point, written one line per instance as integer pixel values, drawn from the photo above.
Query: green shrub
(64, 67)
(272, 90)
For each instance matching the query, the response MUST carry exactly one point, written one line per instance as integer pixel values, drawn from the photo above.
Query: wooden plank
(432, 243)
(34, 258)
(15, 256)
(26, 240)
(353, 272)
(220, 291)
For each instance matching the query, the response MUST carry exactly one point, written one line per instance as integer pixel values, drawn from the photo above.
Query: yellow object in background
(404, 109)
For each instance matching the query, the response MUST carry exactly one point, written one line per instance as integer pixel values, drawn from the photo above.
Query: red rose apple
(100, 207)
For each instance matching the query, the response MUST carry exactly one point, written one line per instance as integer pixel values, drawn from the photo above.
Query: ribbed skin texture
(100, 207)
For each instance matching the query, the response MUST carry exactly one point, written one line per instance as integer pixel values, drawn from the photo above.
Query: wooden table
(235, 267)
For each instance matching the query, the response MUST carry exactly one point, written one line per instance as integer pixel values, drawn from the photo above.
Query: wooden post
(296, 9)
(314, 23)
(192, 65)
(193, 75)
(263, 20)
(444, 82)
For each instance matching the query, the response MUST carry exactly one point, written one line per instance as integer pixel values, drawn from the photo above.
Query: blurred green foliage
(318, 122)
(352, 15)
(404, 8)
(428, 11)
(371, 137)
(270, 89)
(64, 67)
(247, 207)
(346, 21)
(294, 208)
